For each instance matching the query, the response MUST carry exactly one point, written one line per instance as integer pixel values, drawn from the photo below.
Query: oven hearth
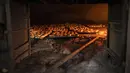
(54, 43)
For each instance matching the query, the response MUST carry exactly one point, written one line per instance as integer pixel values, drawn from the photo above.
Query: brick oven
(48, 38)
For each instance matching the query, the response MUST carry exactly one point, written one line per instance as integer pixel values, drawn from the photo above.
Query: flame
(102, 33)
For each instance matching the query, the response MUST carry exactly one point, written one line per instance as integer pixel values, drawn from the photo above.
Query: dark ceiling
(62, 13)
(64, 1)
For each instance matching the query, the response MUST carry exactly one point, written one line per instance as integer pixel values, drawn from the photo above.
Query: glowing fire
(102, 33)
(68, 30)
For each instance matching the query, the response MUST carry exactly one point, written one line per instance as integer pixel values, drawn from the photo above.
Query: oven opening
(61, 46)
(64, 46)
(61, 37)
(68, 37)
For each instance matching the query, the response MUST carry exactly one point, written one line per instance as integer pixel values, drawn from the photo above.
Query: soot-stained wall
(59, 13)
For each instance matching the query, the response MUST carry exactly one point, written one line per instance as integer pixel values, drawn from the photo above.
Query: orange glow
(98, 13)
(60, 30)
(102, 33)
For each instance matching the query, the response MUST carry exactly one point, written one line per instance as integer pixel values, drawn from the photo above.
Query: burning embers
(68, 30)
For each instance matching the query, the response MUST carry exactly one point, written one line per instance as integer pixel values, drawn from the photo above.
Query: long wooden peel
(73, 54)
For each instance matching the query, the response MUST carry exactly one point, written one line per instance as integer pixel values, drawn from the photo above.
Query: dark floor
(40, 61)
(97, 64)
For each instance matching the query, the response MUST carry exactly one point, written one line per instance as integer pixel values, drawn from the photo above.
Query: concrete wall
(88, 13)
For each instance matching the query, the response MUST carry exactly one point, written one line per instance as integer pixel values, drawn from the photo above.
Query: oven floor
(96, 65)
(36, 63)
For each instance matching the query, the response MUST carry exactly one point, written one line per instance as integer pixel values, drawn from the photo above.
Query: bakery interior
(61, 36)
